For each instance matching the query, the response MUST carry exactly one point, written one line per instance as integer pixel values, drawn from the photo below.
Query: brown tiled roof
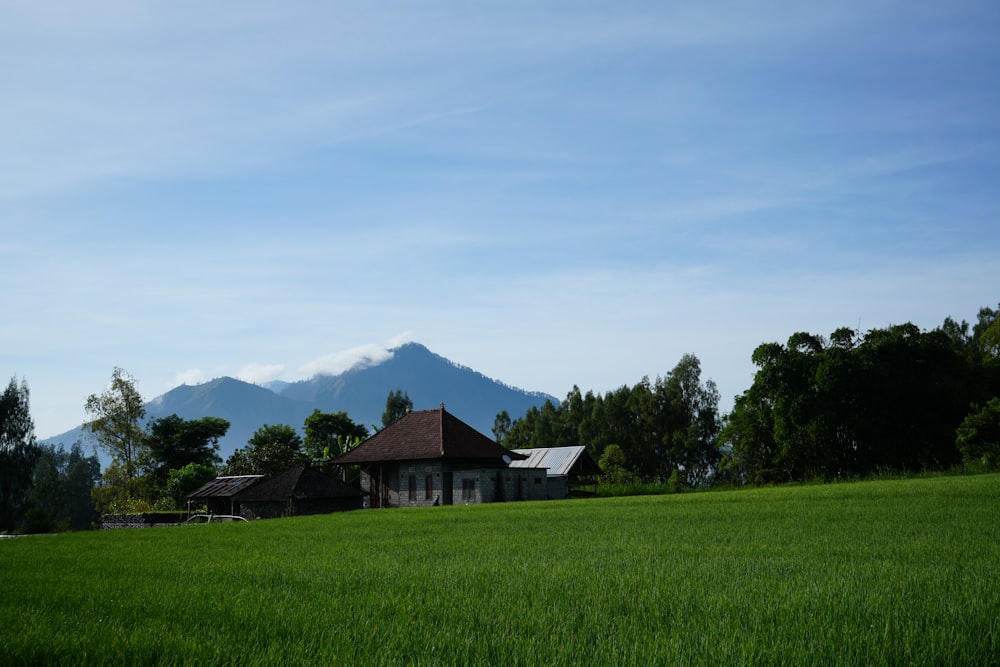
(300, 483)
(225, 487)
(427, 434)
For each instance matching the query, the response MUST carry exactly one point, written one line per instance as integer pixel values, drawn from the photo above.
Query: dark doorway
(446, 491)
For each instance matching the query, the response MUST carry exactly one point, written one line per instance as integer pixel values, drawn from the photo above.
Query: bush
(978, 437)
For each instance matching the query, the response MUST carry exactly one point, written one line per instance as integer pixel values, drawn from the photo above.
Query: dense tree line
(892, 399)
(896, 399)
(61, 487)
(665, 430)
(41, 488)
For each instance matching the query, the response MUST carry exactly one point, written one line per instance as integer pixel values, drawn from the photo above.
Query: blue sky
(551, 193)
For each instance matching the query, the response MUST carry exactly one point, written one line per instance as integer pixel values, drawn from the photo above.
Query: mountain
(427, 378)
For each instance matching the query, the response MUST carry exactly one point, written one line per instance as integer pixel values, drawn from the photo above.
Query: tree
(60, 496)
(18, 453)
(501, 426)
(685, 422)
(331, 434)
(184, 480)
(519, 434)
(46, 494)
(117, 493)
(117, 423)
(748, 438)
(397, 404)
(613, 467)
(989, 340)
(271, 449)
(978, 436)
(173, 443)
(80, 474)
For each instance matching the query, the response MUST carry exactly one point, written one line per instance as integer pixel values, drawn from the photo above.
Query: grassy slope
(878, 572)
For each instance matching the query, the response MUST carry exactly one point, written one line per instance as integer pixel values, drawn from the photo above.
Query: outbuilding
(219, 495)
(298, 491)
(565, 467)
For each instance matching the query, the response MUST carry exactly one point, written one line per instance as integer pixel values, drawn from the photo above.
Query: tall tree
(501, 426)
(271, 449)
(116, 421)
(173, 443)
(397, 404)
(686, 424)
(18, 453)
(331, 434)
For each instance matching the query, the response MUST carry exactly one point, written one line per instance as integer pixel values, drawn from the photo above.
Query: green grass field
(885, 573)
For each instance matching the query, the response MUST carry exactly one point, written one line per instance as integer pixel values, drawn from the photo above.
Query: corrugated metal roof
(559, 461)
(223, 487)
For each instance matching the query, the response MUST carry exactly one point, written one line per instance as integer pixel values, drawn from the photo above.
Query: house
(565, 467)
(219, 495)
(298, 491)
(430, 457)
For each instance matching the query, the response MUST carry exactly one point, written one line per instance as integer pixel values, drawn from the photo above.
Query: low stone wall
(144, 520)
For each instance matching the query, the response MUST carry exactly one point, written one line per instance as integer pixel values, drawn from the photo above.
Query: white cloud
(260, 373)
(338, 362)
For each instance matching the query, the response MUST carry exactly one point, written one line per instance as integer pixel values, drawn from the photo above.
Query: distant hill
(246, 406)
(427, 378)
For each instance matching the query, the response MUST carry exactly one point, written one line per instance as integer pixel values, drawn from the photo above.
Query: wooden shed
(299, 491)
(219, 495)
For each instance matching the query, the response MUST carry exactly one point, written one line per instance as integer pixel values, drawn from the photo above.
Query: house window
(428, 486)
(413, 488)
(468, 489)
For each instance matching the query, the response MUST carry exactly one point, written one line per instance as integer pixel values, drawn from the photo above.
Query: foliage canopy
(271, 449)
(854, 405)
